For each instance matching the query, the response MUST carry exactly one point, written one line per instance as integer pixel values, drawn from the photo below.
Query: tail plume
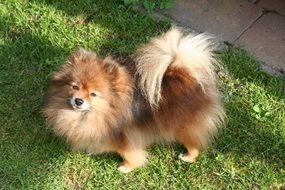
(194, 52)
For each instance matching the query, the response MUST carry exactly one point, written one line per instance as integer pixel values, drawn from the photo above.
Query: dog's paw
(187, 157)
(125, 169)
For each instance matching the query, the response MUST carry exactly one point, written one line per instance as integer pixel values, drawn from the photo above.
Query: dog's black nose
(78, 101)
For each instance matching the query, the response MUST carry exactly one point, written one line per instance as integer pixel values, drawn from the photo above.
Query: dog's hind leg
(190, 143)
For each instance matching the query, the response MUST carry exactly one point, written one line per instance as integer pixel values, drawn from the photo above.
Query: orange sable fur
(98, 105)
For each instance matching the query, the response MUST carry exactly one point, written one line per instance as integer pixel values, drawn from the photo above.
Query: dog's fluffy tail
(194, 52)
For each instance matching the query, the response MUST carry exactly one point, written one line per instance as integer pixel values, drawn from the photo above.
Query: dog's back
(176, 78)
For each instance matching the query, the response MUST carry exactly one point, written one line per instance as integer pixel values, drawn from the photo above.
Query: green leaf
(256, 108)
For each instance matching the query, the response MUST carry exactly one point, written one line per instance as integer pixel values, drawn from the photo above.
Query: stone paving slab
(223, 18)
(273, 5)
(266, 39)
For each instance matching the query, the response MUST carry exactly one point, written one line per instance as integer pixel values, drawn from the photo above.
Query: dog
(166, 92)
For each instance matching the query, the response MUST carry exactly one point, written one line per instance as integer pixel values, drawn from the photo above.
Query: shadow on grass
(250, 140)
(27, 147)
(253, 132)
(128, 28)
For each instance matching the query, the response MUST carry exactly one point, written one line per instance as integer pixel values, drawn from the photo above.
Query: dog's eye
(93, 94)
(75, 87)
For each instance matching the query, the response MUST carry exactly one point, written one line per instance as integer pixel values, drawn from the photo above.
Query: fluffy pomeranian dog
(166, 92)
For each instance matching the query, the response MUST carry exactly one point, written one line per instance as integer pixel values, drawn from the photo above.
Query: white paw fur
(125, 169)
(187, 158)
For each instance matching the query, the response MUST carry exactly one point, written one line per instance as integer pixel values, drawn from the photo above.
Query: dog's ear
(82, 55)
(61, 76)
(110, 65)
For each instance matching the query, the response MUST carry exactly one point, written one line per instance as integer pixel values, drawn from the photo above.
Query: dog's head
(89, 83)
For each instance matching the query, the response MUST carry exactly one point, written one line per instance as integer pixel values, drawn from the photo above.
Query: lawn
(36, 36)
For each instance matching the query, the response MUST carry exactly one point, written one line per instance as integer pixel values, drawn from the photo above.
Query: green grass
(36, 36)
